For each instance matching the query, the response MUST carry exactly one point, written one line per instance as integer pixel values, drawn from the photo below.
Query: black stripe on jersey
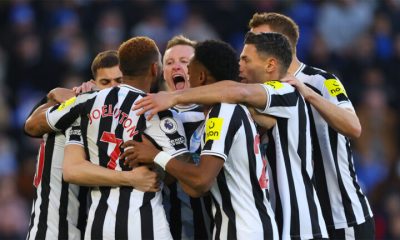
(348, 209)
(121, 224)
(105, 126)
(285, 100)
(83, 207)
(66, 121)
(217, 219)
(63, 211)
(174, 135)
(227, 205)
(258, 193)
(294, 218)
(85, 125)
(319, 177)
(234, 125)
(101, 210)
(360, 195)
(175, 212)
(100, 214)
(200, 230)
(341, 97)
(308, 70)
(213, 113)
(313, 88)
(32, 220)
(301, 150)
(146, 216)
(45, 183)
(271, 156)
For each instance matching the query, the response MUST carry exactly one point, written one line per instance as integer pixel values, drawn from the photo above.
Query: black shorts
(363, 231)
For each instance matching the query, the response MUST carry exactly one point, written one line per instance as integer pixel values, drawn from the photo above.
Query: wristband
(162, 158)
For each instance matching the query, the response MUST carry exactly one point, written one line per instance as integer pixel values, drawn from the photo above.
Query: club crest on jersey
(274, 84)
(168, 125)
(213, 128)
(66, 103)
(334, 87)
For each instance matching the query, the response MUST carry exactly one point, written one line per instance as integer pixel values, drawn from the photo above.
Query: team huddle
(252, 149)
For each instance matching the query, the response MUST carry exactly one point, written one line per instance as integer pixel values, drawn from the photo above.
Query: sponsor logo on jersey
(66, 103)
(213, 128)
(334, 87)
(168, 125)
(274, 84)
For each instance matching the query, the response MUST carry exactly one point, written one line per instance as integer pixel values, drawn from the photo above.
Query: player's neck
(140, 82)
(294, 65)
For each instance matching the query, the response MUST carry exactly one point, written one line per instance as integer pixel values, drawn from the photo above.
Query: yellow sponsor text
(334, 87)
(275, 84)
(213, 128)
(66, 103)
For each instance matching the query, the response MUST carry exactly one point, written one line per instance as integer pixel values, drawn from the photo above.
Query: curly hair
(136, 56)
(106, 59)
(272, 44)
(180, 40)
(219, 58)
(278, 23)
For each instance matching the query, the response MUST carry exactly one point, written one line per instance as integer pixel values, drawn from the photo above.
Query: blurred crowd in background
(45, 44)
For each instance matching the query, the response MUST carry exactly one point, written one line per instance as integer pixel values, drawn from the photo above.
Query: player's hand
(299, 85)
(138, 152)
(85, 87)
(144, 179)
(60, 95)
(154, 103)
(263, 120)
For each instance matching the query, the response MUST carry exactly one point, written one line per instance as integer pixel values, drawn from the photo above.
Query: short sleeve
(74, 134)
(334, 91)
(282, 99)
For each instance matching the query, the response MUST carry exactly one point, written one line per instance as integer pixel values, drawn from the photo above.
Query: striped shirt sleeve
(220, 130)
(166, 129)
(333, 90)
(282, 99)
(74, 134)
(61, 116)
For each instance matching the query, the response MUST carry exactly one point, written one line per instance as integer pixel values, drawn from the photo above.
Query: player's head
(265, 56)
(176, 58)
(139, 57)
(213, 60)
(275, 22)
(105, 69)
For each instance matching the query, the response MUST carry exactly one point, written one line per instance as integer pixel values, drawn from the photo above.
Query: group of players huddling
(252, 149)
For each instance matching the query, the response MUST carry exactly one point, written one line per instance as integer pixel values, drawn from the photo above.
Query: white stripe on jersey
(51, 197)
(241, 209)
(297, 208)
(345, 204)
(107, 120)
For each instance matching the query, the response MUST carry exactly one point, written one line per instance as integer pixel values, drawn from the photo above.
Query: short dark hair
(104, 59)
(278, 23)
(219, 58)
(272, 44)
(136, 55)
(180, 40)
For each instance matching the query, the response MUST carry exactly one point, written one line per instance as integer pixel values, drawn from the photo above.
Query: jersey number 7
(110, 138)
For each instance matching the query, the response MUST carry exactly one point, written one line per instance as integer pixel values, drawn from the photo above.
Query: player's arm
(78, 170)
(343, 120)
(196, 179)
(224, 91)
(36, 125)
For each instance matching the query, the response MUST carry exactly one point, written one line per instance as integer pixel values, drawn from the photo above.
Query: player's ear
(203, 78)
(271, 65)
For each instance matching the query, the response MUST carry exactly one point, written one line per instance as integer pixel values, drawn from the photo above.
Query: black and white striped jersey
(106, 121)
(59, 208)
(187, 216)
(240, 207)
(297, 208)
(336, 182)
